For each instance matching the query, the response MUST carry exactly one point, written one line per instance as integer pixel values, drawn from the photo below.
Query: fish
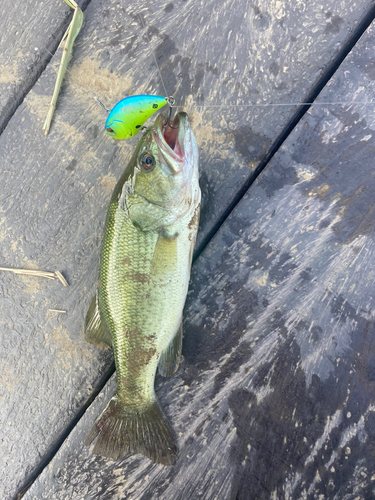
(145, 264)
(127, 117)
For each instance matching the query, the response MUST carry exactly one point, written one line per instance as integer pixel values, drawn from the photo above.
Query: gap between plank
(358, 31)
(47, 52)
(48, 457)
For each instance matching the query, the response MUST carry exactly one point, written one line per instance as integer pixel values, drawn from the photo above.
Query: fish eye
(110, 131)
(147, 161)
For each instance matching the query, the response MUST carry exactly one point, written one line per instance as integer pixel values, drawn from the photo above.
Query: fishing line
(218, 106)
(279, 104)
(204, 106)
(153, 54)
(226, 413)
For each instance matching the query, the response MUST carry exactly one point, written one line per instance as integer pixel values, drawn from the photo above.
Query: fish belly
(142, 289)
(143, 284)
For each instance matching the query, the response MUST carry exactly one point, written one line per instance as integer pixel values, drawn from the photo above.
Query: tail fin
(121, 431)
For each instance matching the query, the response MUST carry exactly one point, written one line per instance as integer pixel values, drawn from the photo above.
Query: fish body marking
(144, 273)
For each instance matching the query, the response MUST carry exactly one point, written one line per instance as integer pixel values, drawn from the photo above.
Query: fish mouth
(171, 135)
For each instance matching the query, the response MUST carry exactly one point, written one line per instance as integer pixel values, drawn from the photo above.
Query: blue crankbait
(128, 115)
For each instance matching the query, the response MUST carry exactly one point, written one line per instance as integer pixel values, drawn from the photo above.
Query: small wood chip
(40, 274)
(61, 278)
(57, 311)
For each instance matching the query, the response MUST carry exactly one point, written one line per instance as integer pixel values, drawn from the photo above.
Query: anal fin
(96, 331)
(170, 358)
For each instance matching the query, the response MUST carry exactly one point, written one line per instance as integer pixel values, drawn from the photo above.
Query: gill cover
(158, 188)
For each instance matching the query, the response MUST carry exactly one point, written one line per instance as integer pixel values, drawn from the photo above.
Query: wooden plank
(276, 395)
(54, 190)
(270, 54)
(29, 35)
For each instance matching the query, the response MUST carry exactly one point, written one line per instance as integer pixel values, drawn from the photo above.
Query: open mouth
(173, 132)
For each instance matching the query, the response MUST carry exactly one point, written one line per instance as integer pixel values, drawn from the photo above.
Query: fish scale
(126, 252)
(145, 262)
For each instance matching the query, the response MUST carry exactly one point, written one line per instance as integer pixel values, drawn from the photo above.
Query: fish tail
(122, 430)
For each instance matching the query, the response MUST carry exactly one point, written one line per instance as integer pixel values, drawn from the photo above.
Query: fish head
(164, 180)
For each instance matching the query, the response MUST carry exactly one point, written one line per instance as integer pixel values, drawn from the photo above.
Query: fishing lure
(128, 115)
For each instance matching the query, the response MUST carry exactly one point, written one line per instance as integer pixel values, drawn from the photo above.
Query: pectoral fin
(165, 259)
(170, 358)
(95, 330)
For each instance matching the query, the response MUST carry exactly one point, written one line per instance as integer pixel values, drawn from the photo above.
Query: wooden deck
(275, 396)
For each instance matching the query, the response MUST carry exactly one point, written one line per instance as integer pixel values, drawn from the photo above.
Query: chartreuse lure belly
(129, 114)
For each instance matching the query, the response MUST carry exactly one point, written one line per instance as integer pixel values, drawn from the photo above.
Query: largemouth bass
(145, 264)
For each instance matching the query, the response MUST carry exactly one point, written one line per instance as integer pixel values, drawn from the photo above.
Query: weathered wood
(29, 35)
(275, 398)
(54, 190)
(270, 53)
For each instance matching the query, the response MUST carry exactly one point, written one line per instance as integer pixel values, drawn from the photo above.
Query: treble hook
(170, 101)
(102, 105)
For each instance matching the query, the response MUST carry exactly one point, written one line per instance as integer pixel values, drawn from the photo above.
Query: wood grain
(29, 34)
(54, 192)
(275, 398)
